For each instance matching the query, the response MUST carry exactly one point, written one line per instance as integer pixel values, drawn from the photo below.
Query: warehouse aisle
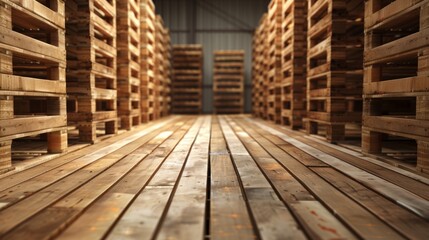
(213, 177)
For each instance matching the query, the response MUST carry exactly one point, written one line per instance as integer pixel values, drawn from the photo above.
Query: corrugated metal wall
(220, 24)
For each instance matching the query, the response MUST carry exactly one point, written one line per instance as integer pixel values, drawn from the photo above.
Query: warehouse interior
(214, 119)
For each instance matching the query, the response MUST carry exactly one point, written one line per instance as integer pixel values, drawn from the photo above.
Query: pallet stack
(334, 67)
(167, 74)
(161, 68)
(91, 67)
(274, 76)
(147, 63)
(186, 89)
(128, 63)
(32, 75)
(396, 87)
(294, 57)
(259, 70)
(228, 82)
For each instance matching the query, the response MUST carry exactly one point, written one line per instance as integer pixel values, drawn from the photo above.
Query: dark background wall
(217, 25)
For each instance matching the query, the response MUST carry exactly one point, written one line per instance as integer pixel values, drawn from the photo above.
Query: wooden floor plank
(407, 199)
(9, 180)
(185, 217)
(95, 222)
(22, 210)
(213, 177)
(359, 219)
(143, 216)
(415, 186)
(384, 165)
(70, 206)
(293, 193)
(402, 220)
(273, 219)
(229, 217)
(32, 185)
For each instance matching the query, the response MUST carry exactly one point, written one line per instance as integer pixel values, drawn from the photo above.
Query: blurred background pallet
(32, 77)
(294, 57)
(228, 82)
(274, 76)
(334, 67)
(128, 63)
(162, 70)
(91, 67)
(166, 107)
(186, 87)
(147, 63)
(396, 87)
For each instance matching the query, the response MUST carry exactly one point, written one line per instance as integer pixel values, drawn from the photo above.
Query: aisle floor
(213, 177)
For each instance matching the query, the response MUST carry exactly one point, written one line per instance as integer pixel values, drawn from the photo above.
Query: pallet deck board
(248, 178)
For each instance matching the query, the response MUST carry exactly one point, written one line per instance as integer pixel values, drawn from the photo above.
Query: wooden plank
(315, 226)
(272, 218)
(410, 225)
(93, 152)
(160, 187)
(356, 217)
(403, 197)
(32, 204)
(185, 217)
(69, 207)
(96, 221)
(229, 217)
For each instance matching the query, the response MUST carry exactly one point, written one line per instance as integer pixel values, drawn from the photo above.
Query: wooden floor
(213, 177)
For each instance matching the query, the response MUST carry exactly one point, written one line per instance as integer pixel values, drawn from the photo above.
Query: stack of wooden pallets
(91, 67)
(294, 57)
(186, 87)
(147, 63)
(274, 74)
(32, 75)
(228, 82)
(396, 87)
(128, 63)
(259, 70)
(165, 111)
(161, 71)
(334, 67)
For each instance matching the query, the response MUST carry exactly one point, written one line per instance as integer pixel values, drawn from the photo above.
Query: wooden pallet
(147, 63)
(334, 67)
(162, 70)
(260, 69)
(91, 67)
(165, 111)
(263, 59)
(128, 63)
(186, 87)
(32, 75)
(228, 82)
(294, 53)
(274, 74)
(396, 86)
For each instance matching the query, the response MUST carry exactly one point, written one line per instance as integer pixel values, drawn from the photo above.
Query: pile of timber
(228, 82)
(162, 81)
(259, 48)
(32, 75)
(147, 57)
(186, 86)
(274, 58)
(334, 67)
(91, 67)
(294, 58)
(396, 86)
(128, 63)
